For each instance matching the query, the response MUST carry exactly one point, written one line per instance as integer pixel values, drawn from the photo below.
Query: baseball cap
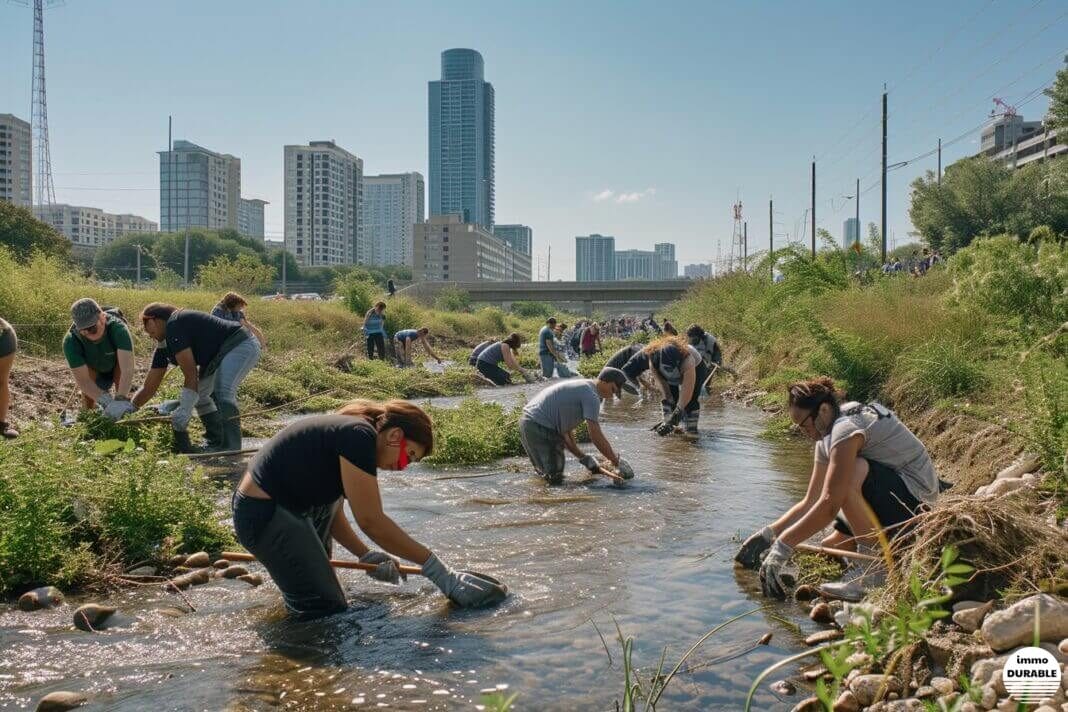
(84, 312)
(614, 375)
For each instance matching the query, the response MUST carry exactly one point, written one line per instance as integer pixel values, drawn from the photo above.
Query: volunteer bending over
(488, 362)
(404, 341)
(680, 372)
(215, 356)
(9, 345)
(547, 422)
(868, 466)
(549, 353)
(99, 352)
(288, 506)
(232, 307)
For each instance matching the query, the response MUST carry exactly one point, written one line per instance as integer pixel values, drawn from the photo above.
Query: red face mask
(402, 457)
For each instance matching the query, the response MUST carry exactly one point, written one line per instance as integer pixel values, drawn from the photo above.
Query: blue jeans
(548, 363)
(223, 382)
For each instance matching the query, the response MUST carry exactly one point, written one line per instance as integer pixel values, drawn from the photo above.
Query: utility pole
(939, 161)
(138, 265)
(813, 207)
(771, 237)
(883, 235)
(745, 246)
(285, 255)
(549, 266)
(856, 235)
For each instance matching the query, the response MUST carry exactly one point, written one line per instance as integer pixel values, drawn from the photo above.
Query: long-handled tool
(337, 563)
(813, 549)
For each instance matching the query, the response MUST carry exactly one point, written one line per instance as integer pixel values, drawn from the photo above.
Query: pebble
(823, 636)
(805, 592)
(257, 580)
(179, 583)
(200, 576)
(1015, 625)
(969, 619)
(925, 691)
(809, 704)
(868, 687)
(61, 700)
(783, 687)
(92, 616)
(197, 560)
(143, 571)
(234, 571)
(846, 702)
(38, 598)
(176, 560)
(1025, 463)
(821, 613)
(815, 673)
(221, 564)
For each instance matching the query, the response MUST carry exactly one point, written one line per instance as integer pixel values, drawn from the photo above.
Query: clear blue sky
(680, 107)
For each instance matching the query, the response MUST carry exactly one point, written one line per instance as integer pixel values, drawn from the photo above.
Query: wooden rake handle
(813, 549)
(337, 563)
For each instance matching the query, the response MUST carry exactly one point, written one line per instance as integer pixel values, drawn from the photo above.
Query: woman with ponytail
(287, 507)
(868, 466)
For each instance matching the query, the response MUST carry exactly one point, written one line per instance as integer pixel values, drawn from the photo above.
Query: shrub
(475, 432)
(358, 293)
(941, 369)
(453, 299)
(533, 309)
(245, 274)
(24, 235)
(862, 365)
(403, 314)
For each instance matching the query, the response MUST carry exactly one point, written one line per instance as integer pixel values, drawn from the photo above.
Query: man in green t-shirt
(99, 352)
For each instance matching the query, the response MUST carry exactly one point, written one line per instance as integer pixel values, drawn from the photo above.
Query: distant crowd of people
(916, 265)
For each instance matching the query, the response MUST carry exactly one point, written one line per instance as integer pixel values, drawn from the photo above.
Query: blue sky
(640, 120)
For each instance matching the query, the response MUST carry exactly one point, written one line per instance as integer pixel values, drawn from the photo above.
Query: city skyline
(588, 138)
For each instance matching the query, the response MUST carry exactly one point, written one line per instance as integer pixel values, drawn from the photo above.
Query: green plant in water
(498, 701)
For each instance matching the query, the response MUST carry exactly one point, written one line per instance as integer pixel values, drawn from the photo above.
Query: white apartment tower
(16, 151)
(324, 205)
(392, 205)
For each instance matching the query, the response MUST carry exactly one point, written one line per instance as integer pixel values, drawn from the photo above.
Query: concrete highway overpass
(633, 297)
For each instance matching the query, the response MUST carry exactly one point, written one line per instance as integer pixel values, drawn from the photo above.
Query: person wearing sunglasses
(99, 352)
(214, 356)
(288, 506)
(868, 466)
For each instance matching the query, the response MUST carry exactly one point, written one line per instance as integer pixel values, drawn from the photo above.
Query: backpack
(110, 311)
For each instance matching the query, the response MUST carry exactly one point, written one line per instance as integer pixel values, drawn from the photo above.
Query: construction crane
(1007, 109)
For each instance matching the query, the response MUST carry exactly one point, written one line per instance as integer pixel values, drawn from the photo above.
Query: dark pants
(886, 494)
(9, 341)
(693, 408)
(376, 341)
(103, 381)
(494, 372)
(295, 548)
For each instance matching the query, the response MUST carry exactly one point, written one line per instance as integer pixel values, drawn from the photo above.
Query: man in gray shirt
(550, 417)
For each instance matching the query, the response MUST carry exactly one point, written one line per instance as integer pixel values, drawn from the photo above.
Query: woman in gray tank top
(489, 361)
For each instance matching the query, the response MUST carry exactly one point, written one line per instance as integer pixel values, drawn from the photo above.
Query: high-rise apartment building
(250, 218)
(461, 139)
(198, 188)
(16, 152)
(850, 232)
(92, 227)
(595, 258)
(520, 237)
(636, 264)
(665, 266)
(698, 271)
(324, 205)
(392, 205)
(446, 249)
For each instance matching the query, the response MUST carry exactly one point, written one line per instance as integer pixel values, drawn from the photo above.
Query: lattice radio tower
(43, 188)
(737, 239)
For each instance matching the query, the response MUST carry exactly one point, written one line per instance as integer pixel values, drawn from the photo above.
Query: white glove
(771, 578)
(590, 463)
(182, 414)
(387, 570)
(118, 408)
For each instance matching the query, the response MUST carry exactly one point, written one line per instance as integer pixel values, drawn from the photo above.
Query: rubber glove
(119, 408)
(387, 569)
(670, 422)
(104, 400)
(527, 377)
(590, 463)
(181, 415)
(460, 588)
(749, 553)
(625, 470)
(771, 571)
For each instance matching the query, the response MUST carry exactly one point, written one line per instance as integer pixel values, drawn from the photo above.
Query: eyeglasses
(811, 416)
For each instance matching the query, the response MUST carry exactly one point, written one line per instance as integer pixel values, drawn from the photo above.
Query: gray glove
(166, 407)
(625, 469)
(104, 400)
(459, 587)
(590, 463)
(119, 408)
(181, 415)
(527, 377)
(670, 422)
(387, 570)
(749, 553)
(772, 581)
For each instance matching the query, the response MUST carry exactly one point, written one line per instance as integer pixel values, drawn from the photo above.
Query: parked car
(307, 297)
(274, 297)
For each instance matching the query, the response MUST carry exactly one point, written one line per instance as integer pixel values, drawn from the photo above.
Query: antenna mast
(44, 189)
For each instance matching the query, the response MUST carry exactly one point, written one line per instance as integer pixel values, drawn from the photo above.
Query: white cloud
(634, 197)
(603, 195)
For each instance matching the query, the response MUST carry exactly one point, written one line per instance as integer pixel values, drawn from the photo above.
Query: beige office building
(448, 250)
(16, 151)
(92, 227)
(324, 205)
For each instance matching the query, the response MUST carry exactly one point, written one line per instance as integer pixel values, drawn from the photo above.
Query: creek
(655, 556)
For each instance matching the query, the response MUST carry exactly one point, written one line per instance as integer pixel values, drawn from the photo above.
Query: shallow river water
(654, 557)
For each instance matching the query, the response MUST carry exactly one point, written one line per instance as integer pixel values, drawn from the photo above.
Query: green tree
(1058, 102)
(358, 292)
(204, 246)
(294, 272)
(118, 258)
(24, 234)
(245, 274)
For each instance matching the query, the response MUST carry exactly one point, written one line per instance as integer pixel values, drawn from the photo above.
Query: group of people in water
(870, 475)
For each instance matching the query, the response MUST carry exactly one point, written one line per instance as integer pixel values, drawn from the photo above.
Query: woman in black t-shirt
(287, 507)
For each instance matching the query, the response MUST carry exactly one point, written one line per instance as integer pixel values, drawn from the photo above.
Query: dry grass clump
(1012, 547)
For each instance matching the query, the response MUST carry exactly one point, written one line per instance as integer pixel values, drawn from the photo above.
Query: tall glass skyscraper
(461, 139)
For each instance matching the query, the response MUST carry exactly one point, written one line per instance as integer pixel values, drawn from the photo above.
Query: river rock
(821, 613)
(969, 619)
(198, 560)
(179, 583)
(805, 592)
(1063, 647)
(257, 580)
(783, 687)
(910, 704)
(176, 560)
(1015, 625)
(813, 674)
(764, 639)
(809, 704)
(823, 636)
(868, 687)
(38, 598)
(92, 616)
(221, 564)
(1025, 463)
(199, 577)
(61, 700)
(846, 702)
(943, 685)
(234, 571)
(956, 651)
(988, 672)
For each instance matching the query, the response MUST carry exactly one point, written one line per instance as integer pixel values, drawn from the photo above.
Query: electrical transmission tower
(737, 239)
(43, 188)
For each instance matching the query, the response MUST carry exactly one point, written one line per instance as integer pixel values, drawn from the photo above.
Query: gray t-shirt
(561, 407)
(887, 441)
(545, 340)
(492, 353)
